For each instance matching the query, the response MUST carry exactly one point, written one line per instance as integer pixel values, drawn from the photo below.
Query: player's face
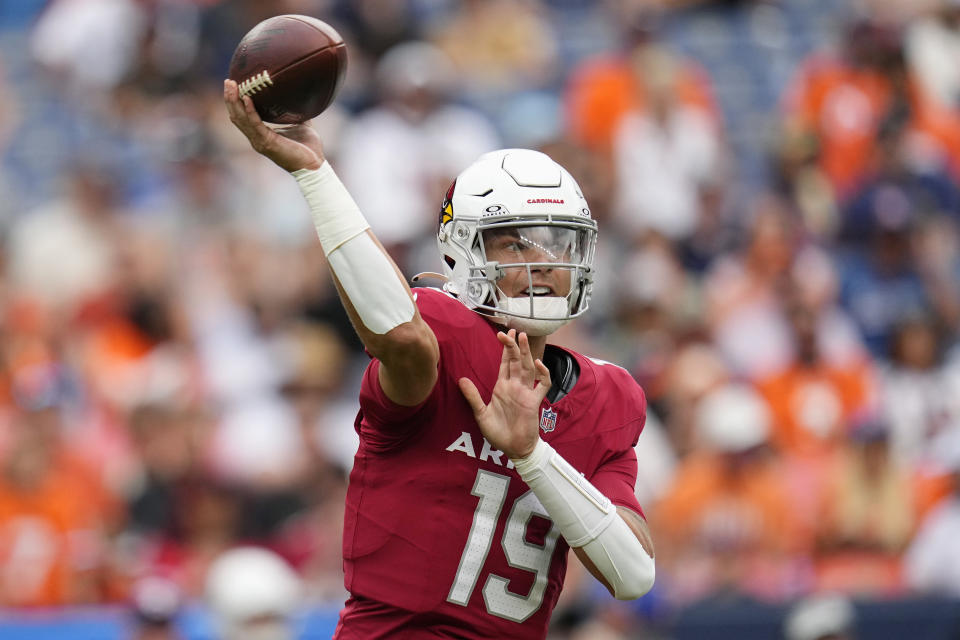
(542, 245)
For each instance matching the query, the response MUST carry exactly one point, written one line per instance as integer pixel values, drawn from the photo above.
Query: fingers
(510, 366)
(244, 115)
(505, 340)
(251, 111)
(235, 103)
(543, 378)
(528, 371)
(472, 395)
(231, 98)
(518, 357)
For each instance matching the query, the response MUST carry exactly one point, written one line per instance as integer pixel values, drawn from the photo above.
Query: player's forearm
(373, 291)
(589, 521)
(387, 336)
(370, 284)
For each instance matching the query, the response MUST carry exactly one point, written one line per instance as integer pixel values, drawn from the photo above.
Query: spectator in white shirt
(932, 562)
(666, 156)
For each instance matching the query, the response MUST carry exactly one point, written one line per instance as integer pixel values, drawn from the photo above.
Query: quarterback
(485, 453)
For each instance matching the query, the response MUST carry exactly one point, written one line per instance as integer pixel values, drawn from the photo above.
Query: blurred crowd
(177, 377)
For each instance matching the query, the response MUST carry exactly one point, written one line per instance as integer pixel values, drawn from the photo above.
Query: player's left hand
(511, 421)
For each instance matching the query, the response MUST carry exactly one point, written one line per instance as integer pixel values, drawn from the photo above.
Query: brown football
(291, 66)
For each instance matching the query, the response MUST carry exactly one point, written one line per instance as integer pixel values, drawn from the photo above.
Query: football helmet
(516, 216)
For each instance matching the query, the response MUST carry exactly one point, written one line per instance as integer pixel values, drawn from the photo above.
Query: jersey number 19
(491, 488)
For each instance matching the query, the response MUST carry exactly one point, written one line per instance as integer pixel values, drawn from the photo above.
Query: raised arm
(372, 289)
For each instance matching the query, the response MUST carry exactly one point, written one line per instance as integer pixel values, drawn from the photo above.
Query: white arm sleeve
(586, 518)
(335, 215)
(363, 269)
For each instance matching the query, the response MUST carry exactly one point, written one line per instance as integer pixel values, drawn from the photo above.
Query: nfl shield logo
(548, 420)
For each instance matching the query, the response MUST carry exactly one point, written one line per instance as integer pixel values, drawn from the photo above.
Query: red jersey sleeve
(615, 473)
(382, 423)
(617, 478)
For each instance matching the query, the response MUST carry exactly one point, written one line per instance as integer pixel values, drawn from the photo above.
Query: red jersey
(442, 539)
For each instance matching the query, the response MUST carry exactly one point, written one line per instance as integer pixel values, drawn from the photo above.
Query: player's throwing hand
(290, 147)
(511, 421)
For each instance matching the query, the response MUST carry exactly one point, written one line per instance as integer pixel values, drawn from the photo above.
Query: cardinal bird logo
(548, 419)
(446, 209)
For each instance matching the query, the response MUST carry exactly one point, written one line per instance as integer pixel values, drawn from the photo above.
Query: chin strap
(532, 326)
(431, 275)
(550, 313)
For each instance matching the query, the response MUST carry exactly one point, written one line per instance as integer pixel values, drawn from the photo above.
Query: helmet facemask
(529, 274)
(518, 241)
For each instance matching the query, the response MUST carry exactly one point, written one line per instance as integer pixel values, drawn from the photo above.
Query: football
(291, 66)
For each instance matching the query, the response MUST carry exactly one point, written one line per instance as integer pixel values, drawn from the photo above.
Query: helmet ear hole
(450, 261)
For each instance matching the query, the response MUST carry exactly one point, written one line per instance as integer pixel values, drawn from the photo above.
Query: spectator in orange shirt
(603, 89)
(727, 523)
(843, 103)
(52, 525)
(814, 398)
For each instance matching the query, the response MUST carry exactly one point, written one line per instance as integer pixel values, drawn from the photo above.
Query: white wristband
(580, 511)
(335, 215)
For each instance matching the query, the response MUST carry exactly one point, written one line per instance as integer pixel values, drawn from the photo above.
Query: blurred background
(777, 185)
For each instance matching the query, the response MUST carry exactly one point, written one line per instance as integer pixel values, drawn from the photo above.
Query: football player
(484, 451)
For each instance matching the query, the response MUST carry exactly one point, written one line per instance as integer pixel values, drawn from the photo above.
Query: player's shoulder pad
(607, 371)
(614, 378)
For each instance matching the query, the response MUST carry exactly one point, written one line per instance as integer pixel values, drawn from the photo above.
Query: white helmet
(528, 194)
(253, 593)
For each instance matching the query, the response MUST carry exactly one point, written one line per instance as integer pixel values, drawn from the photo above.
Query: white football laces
(255, 84)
